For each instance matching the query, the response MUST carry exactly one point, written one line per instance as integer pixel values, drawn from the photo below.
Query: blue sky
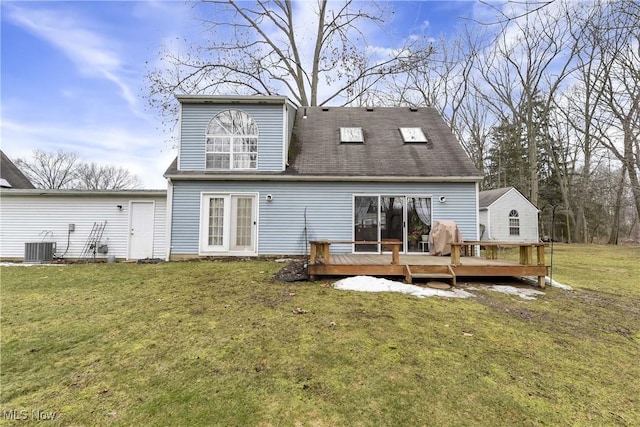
(72, 74)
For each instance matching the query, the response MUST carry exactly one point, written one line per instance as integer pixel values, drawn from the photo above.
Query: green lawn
(219, 343)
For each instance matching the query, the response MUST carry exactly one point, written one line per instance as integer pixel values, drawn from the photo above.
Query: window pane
(217, 161)
(244, 221)
(233, 122)
(221, 145)
(365, 222)
(216, 221)
(245, 145)
(514, 223)
(244, 161)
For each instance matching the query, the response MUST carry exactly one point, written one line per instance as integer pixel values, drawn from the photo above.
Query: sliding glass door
(418, 224)
(401, 218)
(392, 218)
(365, 222)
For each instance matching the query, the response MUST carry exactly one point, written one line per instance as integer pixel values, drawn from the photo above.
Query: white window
(514, 223)
(232, 141)
(413, 135)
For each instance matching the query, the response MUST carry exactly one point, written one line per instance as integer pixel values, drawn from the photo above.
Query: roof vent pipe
(369, 108)
(325, 108)
(413, 108)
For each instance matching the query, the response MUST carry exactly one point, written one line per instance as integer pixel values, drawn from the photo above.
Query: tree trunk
(615, 227)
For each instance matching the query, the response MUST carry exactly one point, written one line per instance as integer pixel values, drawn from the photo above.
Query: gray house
(11, 176)
(259, 176)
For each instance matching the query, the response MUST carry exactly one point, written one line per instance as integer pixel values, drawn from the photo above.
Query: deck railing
(468, 248)
(320, 249)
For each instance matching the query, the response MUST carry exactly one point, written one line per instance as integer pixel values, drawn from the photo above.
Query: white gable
(495, 218)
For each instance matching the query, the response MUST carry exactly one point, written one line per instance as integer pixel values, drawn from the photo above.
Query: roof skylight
(413, 135)
(351, 134)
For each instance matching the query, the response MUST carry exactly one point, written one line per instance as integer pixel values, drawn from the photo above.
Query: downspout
(169, 219)
(477, 211)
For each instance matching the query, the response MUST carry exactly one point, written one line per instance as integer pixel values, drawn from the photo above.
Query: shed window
(351, 135)
(413, 135)
(232, 141)
(514, 223)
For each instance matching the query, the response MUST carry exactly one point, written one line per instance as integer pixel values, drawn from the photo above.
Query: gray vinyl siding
(28, 218)
(282, 227)
(195, 120)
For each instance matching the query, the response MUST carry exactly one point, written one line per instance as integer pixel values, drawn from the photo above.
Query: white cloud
(94, 54)
(142, 152)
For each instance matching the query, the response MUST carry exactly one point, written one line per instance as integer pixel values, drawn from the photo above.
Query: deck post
(325, 250)
(455, 254)
(395, 254)
(319, 250)
(313, 254)
(541, 282)
(540, 249)
(526, 255)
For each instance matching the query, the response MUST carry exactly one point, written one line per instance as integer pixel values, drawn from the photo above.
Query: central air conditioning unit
(39, 252)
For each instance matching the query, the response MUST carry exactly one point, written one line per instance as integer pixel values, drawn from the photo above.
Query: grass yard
(219, 343)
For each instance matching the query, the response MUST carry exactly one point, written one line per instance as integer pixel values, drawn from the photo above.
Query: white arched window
(514, 223)
(232, 141)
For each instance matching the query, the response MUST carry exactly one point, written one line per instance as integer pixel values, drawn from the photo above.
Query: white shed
(506, 215)
(126, 224)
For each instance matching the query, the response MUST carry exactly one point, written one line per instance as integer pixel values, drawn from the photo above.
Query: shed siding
(27, 218)
(483, 220)
(499, 218)
(195, 120)
(327, 207)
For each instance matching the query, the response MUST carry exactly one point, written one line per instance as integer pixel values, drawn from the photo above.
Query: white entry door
(141, 219)
(228, 224)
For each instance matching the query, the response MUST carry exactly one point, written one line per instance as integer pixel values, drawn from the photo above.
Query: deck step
(432, 276)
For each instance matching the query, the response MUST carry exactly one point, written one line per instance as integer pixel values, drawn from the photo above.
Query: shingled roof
(488, 197)
(316, 149)
(10, 175)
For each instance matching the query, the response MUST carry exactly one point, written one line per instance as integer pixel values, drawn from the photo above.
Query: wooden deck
(427, 267)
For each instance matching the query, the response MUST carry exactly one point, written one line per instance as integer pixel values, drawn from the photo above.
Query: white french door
(228, 224)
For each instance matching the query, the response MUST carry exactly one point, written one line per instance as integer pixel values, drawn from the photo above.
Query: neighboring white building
(506, 215)
(133, 223)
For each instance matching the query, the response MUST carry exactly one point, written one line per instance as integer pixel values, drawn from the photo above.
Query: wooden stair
(449, 274)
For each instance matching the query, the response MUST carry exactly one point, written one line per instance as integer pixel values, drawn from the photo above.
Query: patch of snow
(558, 285)
(524, 293)
(285, 260)
(549, 282)
(374, 284)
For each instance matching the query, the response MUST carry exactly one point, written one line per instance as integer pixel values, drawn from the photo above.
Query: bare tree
(55, 170)
(264, 47)
(63, 170)
(92, 176)
(524, 72)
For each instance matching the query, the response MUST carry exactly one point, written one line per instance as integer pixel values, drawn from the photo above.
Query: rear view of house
(259, 176)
